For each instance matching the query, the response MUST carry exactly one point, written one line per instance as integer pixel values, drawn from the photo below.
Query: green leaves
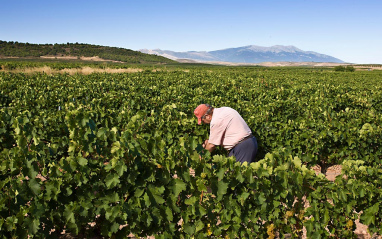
(34, 186)
(369, 216)
(69, 215)
(178, 186)
(115, 147)
(221, 189)
(32, 168)
(94, 148)
(10, 223)
(111, 180)
(33, 225)
(190, 201)
(82, 161)
(189, 229)
(155, 194)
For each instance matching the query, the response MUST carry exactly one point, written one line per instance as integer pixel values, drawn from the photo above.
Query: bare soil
(288, 64)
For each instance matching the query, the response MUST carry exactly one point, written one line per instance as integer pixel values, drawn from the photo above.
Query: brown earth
(287, 64)
(269, 64)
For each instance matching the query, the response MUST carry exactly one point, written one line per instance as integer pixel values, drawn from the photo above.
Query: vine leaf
(178, 186)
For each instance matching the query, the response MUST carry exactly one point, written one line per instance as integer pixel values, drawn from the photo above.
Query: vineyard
(110, 154)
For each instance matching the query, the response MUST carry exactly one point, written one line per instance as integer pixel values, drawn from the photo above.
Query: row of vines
(110, 154)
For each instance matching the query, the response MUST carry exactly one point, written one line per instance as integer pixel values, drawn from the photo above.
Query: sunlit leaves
(124, 151)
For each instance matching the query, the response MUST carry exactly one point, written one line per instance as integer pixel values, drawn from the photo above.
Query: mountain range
(247, 54)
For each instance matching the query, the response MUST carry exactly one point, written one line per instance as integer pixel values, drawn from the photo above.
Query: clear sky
(346, 29)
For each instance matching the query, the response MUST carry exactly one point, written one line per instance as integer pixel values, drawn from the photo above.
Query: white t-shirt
(227, 128)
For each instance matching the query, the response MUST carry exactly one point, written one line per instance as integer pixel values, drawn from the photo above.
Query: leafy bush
(343, 69)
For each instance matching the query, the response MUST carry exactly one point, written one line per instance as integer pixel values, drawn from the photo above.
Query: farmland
(110, 153)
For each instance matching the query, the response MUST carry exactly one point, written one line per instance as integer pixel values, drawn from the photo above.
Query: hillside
(23, 50)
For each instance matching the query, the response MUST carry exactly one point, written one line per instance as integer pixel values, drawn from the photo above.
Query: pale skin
(206, 119)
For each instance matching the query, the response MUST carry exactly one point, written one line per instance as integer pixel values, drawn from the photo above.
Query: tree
(339, 68)
(350, 68)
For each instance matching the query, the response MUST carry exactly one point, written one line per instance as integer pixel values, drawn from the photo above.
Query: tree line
(17, 49)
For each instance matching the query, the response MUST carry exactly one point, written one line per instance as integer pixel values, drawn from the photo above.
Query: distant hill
(16, 49)
(248, 54)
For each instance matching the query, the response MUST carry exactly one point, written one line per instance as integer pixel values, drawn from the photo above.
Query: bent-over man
(228, 129)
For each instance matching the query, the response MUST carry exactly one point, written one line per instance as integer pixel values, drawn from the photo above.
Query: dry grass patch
(44, 69)
(72, 71)
(88, 70)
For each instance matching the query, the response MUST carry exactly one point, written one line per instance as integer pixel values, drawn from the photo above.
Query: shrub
(339, 68)
(343, 68)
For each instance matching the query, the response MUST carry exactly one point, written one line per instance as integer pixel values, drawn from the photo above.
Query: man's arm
(210, 147)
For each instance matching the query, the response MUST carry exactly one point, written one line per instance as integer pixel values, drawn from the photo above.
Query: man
(228, 128)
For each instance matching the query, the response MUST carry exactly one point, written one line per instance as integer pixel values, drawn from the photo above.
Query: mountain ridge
(248, 54)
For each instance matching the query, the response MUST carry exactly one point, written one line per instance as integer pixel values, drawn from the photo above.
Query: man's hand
(208, 146)
(205, 143)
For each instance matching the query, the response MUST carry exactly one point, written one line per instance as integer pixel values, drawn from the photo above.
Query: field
(109, 153)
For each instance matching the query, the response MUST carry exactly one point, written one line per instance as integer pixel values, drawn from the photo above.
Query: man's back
(227, 127)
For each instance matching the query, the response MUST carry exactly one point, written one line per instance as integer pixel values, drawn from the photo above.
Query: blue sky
(346, 29)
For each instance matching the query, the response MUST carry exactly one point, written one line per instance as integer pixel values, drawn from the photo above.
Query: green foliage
(343, 68)
(110, 154)
(16, 49)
